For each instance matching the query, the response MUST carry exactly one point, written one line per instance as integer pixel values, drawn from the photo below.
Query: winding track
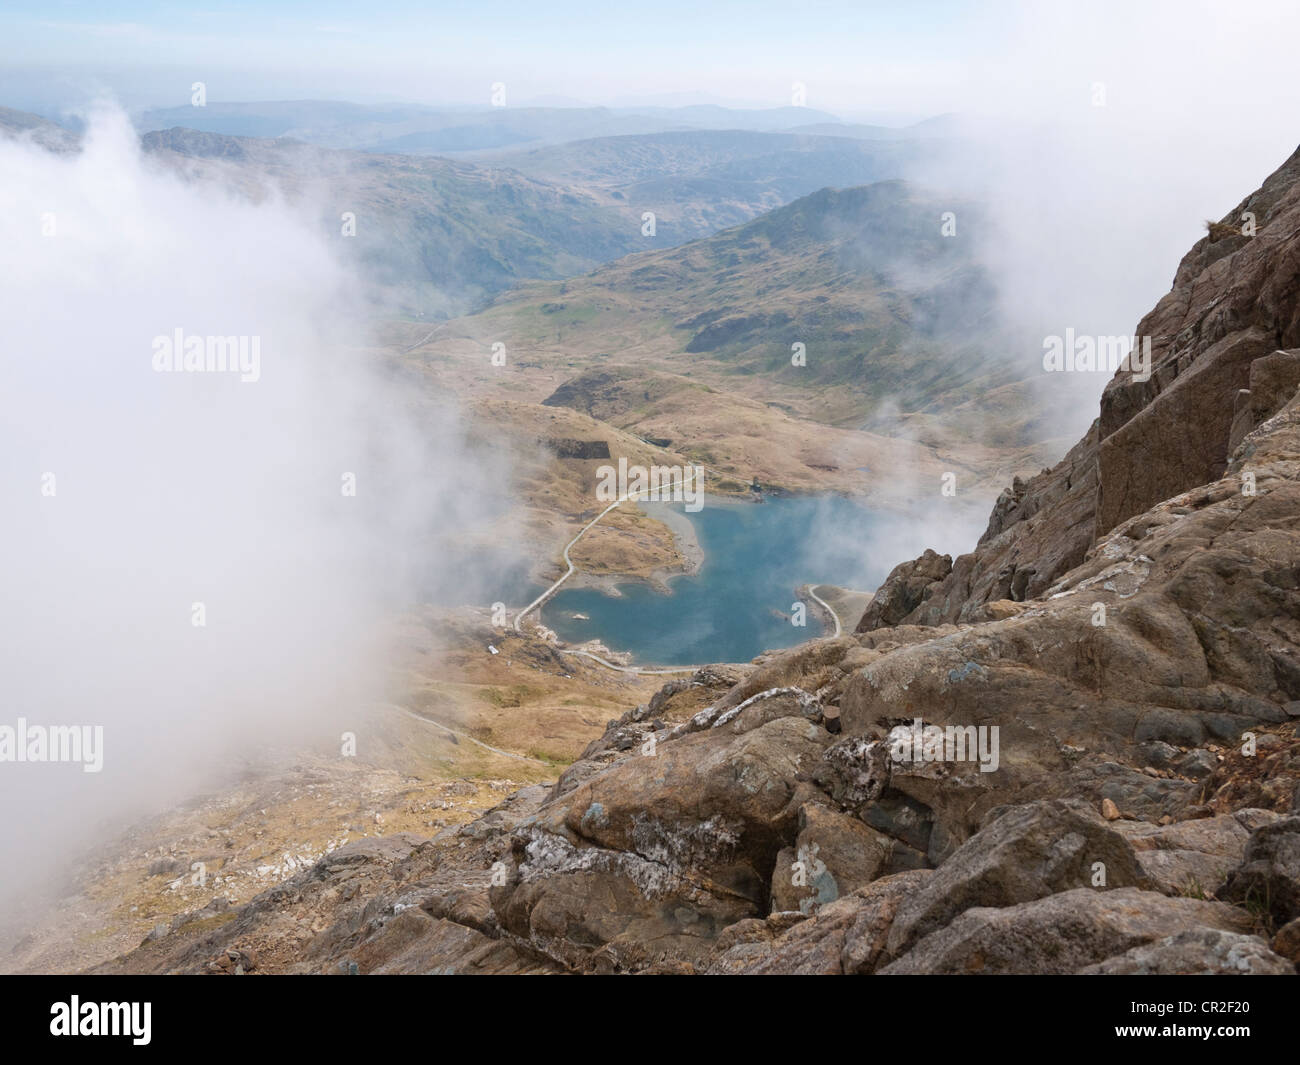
(569, 573)
(568, 561)
(812, 591)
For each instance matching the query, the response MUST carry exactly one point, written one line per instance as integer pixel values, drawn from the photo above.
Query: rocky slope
(1214, 377)
(1139, 813)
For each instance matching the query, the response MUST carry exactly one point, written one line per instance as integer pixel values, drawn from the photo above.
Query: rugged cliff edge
(1130, 624)
(1214, 377)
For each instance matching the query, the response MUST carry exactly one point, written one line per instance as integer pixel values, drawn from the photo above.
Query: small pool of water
(740, 602)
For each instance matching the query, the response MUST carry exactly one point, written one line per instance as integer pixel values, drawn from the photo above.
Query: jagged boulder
(710, 801)
(1273, 382)
(1023, 853)
(676, 844)
(1269, 876)
(904, 590)
(593, 909)
(846, 936)
(833, 855)
(1182, 435)
(1192, 857)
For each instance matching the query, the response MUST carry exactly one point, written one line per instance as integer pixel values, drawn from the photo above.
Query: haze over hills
(433, 235)
(48, 134)
(698, 182)
(443, 236)
(420, 130)
(698, 168)
(938, 126)
(894, 317)
(885, 306)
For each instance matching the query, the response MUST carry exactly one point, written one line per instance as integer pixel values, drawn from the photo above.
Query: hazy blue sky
(903, 58)
(913, 57)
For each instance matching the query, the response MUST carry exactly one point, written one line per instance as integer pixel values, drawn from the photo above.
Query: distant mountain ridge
(44, 132)
(439, 238)
(412, 128)
(700, 181)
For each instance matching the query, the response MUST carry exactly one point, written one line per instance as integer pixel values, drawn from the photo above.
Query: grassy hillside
(689, 350)
(888, 309)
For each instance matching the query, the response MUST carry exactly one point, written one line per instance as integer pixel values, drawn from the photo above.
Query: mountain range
(414, 129)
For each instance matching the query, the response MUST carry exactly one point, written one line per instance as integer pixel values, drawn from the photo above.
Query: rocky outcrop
(1273, 381)
(610, 395)
(833, 855)
(1268, 879)
(568, 448)
(1233, 301)
(847, 937)
(1025, 853)
(906, 588)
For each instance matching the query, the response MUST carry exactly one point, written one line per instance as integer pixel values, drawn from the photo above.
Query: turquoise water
(739, 603)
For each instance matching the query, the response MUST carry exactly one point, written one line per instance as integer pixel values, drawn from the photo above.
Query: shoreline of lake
(749, 568)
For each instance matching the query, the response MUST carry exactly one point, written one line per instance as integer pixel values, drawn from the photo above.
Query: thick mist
(1102, 136)
(1098, 139)
(196, 560)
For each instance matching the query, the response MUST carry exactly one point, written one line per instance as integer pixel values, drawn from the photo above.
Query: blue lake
(739, 603)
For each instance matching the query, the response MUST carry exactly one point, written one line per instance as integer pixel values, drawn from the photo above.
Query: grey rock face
(1269, 876)
(1201, 952)
(1062, 933)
